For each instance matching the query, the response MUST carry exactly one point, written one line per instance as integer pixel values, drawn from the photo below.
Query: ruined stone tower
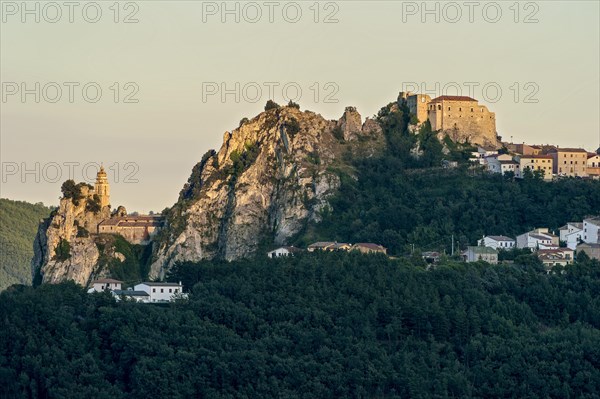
(102, 188)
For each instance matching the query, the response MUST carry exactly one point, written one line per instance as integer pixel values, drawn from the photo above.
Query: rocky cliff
(67, 246)
(64, 249)
(272, 175)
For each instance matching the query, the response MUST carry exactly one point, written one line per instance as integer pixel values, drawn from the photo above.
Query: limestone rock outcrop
(271, 176)
(350, 123)
(64, 247)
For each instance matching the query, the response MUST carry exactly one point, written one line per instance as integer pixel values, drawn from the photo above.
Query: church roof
(452, 98)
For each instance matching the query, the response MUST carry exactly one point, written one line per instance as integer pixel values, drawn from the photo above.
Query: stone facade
(461, 117)
(570, 161)
(135, 229)
(541, 163)
(101, 188)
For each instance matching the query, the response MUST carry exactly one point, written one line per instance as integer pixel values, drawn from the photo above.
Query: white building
(160, 292)
(538, 239)
(571, 234)
(497, 242)
(593, 161)
(591, 230)
(138, 296)
(283, 251)
(475, 254)
(502, 163)
(105, 284)
(481, 153)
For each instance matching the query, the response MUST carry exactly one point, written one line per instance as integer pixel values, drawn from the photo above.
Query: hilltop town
(276, 174)
(463, 119)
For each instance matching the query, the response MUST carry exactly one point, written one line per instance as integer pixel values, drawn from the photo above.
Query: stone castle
(461, 118)
(137, 229)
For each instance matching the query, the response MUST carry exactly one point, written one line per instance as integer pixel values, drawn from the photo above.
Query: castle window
(439, 107)
(448, 108)
(460, 109)
(471, 109)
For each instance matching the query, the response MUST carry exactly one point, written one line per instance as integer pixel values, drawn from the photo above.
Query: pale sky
(542, 55)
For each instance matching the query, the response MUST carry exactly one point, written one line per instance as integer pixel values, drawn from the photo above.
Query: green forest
(322, 325)
(18, 226)
(332, 325)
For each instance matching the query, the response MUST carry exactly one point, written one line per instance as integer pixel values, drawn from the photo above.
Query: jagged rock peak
(270, 177)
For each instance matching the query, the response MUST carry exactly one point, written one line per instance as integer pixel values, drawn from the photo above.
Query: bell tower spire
(102, 189)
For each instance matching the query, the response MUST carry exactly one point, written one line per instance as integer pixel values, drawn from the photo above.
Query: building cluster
(549, 161)
(551, 249)
(137, 229)
(145, 292)
(363, 247)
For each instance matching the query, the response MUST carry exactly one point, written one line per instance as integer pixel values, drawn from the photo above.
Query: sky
(147, 87)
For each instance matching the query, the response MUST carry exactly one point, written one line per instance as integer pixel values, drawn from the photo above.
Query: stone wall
(135, 229)
(462, 118)
(418, 105)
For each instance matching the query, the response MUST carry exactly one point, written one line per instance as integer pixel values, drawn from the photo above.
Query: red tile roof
(568, 150)
(537, 156)
(452, 98)
(106, 280)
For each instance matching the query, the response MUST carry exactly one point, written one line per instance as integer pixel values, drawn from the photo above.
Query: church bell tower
(102, 188)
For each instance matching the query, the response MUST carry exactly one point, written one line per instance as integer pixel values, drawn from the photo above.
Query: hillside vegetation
(18, 226)
(403, 198)
(315, 326)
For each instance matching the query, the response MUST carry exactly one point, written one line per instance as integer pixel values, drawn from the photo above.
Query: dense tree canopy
(316, 325)
(18, 225)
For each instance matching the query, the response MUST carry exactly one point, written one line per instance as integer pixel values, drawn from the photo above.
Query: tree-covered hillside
(18, 226)
(327, 325)
(403, 198)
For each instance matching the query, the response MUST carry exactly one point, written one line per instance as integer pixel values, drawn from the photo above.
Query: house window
(162, 290)
(170, 290)
(176, 290)
(153, 289)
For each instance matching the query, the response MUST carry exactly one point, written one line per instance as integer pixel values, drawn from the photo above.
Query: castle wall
(463, 120)
(418, 105)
